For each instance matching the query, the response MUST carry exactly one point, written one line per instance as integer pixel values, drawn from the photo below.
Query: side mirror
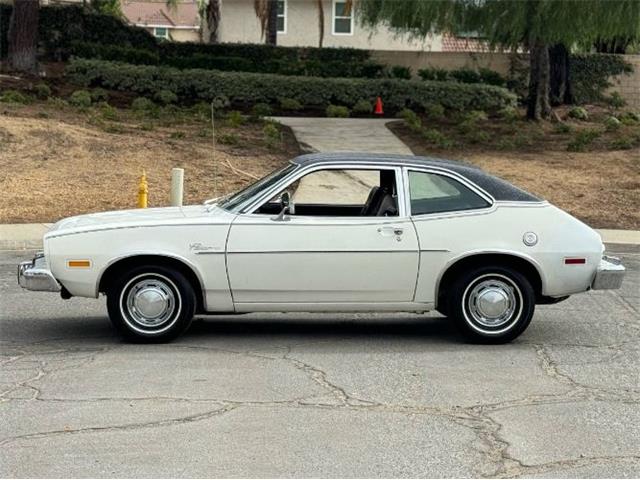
(285, 201)
(287, 207)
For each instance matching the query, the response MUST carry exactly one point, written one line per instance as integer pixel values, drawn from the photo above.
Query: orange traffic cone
(378, 110)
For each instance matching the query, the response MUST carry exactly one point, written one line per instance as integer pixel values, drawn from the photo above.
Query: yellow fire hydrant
(143, 191)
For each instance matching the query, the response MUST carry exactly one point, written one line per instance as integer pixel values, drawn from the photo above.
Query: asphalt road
(319, 395)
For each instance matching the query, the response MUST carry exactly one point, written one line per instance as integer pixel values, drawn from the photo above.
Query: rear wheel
(491, 304)
(151, 304)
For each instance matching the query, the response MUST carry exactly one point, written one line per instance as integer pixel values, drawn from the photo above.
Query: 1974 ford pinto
(332, 232)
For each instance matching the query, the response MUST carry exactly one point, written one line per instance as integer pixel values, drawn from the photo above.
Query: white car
(328, 233)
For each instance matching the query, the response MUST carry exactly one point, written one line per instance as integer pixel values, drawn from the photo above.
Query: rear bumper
(35, 275)
(609, 274)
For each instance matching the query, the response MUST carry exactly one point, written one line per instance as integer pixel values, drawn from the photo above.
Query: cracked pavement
(305, 395)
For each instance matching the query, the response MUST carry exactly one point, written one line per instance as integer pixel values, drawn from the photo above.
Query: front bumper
(35, 275)
(609, 274)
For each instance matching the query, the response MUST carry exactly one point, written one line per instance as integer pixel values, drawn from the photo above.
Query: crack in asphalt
(493, 449)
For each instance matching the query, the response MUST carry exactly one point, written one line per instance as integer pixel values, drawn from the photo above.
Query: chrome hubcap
(492, 303)
(150, 302)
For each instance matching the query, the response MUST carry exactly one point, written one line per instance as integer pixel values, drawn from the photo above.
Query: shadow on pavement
(433, 329)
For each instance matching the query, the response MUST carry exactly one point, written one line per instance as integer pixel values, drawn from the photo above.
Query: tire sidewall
(523, 312)
(184, 298)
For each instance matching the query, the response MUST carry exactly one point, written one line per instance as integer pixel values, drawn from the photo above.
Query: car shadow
(326, 326)
(282, 327)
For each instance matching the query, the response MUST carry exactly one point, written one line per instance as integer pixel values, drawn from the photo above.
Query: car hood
(141, 217)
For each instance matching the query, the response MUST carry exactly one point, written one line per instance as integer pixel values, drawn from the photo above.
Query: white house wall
(240, 24)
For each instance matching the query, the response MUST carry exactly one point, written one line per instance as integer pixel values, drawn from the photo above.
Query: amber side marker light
(78, 263)
(575, 261)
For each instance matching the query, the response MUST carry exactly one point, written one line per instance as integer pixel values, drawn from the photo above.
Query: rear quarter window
(433, 193)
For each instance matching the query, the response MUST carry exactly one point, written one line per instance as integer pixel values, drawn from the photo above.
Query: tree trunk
(560, 78)
(213, 20)
(617, 45)
(538, 104)
(272, 23)
(320, 23)
(23, 36)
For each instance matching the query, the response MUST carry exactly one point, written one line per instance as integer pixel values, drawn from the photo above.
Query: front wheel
(151, 304)
(491, 304)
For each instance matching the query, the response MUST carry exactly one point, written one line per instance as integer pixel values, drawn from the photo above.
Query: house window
(342, 18)
(161, 32)
(282, 16)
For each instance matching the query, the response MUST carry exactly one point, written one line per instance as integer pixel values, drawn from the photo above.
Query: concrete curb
(22, 236)
(28, 236)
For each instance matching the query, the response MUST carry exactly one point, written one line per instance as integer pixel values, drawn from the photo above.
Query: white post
(177, 187)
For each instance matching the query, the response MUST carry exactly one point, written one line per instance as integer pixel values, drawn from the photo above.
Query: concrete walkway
(344, 135)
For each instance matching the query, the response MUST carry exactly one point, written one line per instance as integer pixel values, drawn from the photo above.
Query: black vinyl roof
(499, 189)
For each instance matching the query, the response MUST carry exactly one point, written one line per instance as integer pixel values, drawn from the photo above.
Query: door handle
(389, 231)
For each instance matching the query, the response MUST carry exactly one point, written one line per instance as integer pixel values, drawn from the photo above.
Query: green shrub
(411, 119)
(60, 26)
(476, 116)
(271, 134)
(57, 102)
(228, 139)
(491, 77)
(509, 114)
(220, 102)
(435, 137)
(435, 111)
(582, 140)
(165, 97)
(121, 53)
(578, 113)
(363, 106)
(239, 58)
(13, 96)
(522, 140)
(465, 75)
(505, 144)
(337, 111)
(623, 143)
(478, 136)
(80, 99)
(398, 71)
(290, 104)
(99, 95)
(144, 107)
(616, 100)
(42, 91)
(612, 123)
(234, 119)
(429, 73)
(630, 118)
(561, 127)
(107, 111)
(590, 74)
(243, 88)
(467, 126)
(260, 110)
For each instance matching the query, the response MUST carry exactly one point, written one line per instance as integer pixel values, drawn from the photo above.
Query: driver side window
(340, 193)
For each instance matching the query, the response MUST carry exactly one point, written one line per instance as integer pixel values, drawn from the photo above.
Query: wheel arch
(525, 265)
(121, 264)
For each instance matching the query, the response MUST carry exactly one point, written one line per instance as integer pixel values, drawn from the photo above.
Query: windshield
(233, 202)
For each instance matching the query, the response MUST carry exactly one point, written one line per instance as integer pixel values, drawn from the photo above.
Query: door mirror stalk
(287, 207)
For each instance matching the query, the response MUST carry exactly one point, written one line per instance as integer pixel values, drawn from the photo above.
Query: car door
(307, 259)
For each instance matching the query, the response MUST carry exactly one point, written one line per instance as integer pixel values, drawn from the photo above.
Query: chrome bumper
(609, 274)
(35, 275)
